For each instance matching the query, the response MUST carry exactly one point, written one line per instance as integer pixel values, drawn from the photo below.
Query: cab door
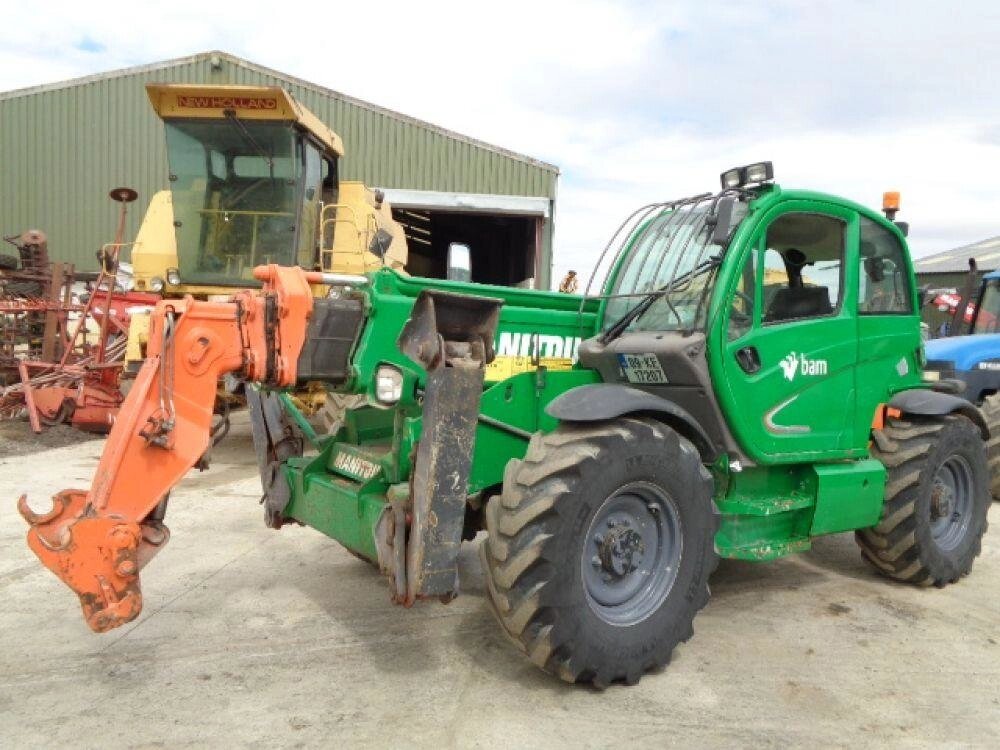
(790, 350)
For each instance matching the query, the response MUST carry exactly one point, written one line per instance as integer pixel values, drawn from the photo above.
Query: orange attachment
(98, 541)
(878, 420)
(890, 200)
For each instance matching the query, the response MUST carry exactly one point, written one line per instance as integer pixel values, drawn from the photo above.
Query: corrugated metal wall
(62, 150)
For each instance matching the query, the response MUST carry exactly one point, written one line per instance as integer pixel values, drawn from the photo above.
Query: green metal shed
(63, 146)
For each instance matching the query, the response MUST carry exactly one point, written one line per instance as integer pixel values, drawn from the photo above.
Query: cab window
(988, 314)
(883, 283)
(743, 303)
(802, 267)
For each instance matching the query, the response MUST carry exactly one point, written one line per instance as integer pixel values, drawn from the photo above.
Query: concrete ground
(252, 637)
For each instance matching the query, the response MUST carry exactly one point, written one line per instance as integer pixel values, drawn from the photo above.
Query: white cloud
(634, 101)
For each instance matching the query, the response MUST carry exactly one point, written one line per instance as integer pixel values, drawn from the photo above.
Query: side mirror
(723, 221)
(459, 262)
(380, 243)
(923, 296)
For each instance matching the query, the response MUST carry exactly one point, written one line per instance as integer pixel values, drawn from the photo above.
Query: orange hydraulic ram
(98, 541)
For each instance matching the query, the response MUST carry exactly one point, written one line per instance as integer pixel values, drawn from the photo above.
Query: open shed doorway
(507, 236)
(503, 249)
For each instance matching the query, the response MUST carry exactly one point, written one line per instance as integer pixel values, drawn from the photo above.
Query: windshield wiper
(621, 325)
(245, 132)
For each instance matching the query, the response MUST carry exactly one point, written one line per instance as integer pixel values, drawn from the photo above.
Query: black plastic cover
(330, 336)
(923, 402)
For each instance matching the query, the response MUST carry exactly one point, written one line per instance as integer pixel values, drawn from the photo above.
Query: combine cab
(253, 180)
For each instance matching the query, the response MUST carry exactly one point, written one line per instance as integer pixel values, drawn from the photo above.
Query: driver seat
(799, 302)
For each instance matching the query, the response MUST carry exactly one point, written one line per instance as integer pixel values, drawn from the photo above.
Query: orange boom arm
(98, 541)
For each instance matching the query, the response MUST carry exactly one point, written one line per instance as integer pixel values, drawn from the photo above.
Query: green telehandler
(743, 382)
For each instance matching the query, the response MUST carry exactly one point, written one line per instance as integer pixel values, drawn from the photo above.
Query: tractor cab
(986, 318)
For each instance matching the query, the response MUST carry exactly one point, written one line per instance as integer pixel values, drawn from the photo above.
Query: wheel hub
(951, 502)
(942, 500)
(631, 553)
(621, 550)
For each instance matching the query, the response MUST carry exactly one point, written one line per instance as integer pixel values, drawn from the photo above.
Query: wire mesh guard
(664, 248)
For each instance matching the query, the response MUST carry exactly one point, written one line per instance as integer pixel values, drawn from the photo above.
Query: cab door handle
(748, 359)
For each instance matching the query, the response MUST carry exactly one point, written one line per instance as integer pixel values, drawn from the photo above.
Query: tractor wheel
(937, 496)
(332, 411)
(599, 549)
(8, 262)
(991, 412)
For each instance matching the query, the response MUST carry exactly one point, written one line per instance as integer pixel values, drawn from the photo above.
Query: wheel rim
(951, 502)
(631, 554)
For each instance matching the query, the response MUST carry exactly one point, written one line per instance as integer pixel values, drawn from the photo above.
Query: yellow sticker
(506, 366)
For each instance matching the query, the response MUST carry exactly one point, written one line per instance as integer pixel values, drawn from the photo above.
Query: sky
(634, 101)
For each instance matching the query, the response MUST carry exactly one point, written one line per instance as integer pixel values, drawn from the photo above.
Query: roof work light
(751, 174)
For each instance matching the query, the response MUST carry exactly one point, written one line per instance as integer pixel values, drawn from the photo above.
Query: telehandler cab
(738, 391)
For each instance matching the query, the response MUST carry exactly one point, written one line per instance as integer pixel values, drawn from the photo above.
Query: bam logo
(794, 364)
(524, 344)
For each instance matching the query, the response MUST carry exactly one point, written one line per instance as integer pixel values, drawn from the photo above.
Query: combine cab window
(884, 284)
(803, 264)
(237, 193)
(312, 198)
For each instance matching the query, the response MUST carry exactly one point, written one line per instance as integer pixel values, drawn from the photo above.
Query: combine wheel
(991, 411)
(332, 412)
(600, 548)
(937, 495)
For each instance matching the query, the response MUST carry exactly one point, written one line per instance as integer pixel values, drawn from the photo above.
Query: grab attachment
(106, 579)
(451, 336)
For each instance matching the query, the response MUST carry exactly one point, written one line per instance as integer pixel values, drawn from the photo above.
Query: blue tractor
(972, 358)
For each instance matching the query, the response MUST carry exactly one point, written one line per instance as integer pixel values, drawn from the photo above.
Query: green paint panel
(766, 512)
(338, 507)
(849, 496)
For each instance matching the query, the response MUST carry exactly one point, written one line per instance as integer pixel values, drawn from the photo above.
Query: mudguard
(598, 402)
(923, 402)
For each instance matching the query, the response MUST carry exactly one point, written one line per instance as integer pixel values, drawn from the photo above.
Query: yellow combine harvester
(253, 180)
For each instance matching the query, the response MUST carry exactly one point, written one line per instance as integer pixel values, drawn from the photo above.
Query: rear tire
(937, 496)
(600, 548)
(991, 412)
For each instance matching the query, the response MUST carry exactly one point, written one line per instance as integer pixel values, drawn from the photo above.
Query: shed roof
(986, 252)
(322, 90)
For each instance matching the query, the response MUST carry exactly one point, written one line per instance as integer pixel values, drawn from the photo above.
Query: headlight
(932, 376)
(760, 172)
(388, 384)
(173, 277)
(156, 284)
(731, 179)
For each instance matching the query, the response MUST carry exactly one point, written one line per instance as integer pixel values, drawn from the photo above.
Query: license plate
(642, 369)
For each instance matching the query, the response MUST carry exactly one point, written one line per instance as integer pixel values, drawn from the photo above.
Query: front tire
(991, 413)
(936, 500)
(600, 548)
